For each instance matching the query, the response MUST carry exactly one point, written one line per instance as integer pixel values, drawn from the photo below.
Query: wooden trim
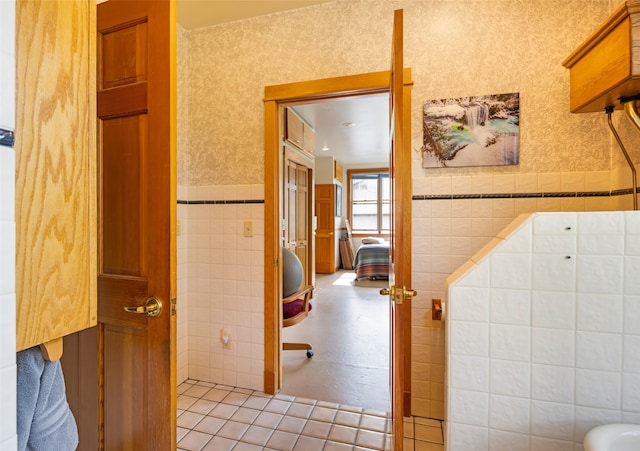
(350, 172)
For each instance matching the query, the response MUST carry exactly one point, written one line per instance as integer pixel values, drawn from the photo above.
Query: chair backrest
(292, 272)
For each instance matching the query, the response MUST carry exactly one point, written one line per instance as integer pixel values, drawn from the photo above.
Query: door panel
(137, 206)
(325, 232)
(400, 249)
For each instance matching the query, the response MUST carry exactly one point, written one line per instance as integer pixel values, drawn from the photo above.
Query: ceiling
(365, 143)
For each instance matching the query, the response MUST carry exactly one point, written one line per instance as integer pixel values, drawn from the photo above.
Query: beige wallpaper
(454, 49)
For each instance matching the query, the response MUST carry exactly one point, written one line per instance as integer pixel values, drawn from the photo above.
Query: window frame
(350, 173)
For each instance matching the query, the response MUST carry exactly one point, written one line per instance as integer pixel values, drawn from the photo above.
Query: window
(369, 200)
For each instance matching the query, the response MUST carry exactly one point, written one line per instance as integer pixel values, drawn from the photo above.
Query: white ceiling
(366, 143)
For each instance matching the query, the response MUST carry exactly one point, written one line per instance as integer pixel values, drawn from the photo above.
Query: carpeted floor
(349, 331)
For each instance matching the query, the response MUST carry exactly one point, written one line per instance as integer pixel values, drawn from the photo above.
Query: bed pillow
(372, 240)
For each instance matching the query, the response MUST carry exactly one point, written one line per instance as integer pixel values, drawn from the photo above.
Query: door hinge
(174, 303)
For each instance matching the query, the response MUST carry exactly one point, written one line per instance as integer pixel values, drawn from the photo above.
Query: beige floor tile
(351, 419)
(194, 441)
(277, 406)
(257, 435)
(335, 446)
(370, 439)
(268, 420)
(300, 410)
(292, 424)
(283, 441)
(244, 415)
(210, 425)
(203, 406)
(325, 414)
(189, 419)
(220, 444)
(309, 444)
(232, 430)
(343, 434)
(317, 429)
(372, 423)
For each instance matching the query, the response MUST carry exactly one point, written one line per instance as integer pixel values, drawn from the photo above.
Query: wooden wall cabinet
(55, 150)
(606, 66)
(298, 133)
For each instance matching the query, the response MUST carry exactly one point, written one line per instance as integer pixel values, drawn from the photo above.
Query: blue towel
(45, 421)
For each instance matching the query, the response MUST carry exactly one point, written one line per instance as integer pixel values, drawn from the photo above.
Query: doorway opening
(276, 99)
(348, 326)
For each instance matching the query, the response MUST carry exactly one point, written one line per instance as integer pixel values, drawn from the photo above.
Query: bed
(372, 261)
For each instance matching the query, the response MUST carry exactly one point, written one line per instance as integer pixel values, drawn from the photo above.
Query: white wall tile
(602, 274)
(510, 342)
(631, 354)
(632, 245)
(7, 89)
(632, 222)
(600, 312)
(554, 272)
(553, 346)
(510, 271)
(555, 224)
(467, 338)
(631, 393)
(510, 378)
(7, 183)
(599, 351)
(553, 309)
(632, 314)
(601, 223)
(472, 304)
(552, 420)
(508, 441)
(601, 244)
(554, 244)
(631, 271)
(509, 414)
(464, 437)
(510, 306)
(599, 389)
(552, 383)
(469, 373)
(7, 257)
(469, 407)
(552, 445)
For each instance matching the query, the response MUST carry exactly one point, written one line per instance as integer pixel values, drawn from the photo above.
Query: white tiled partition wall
(8, 438)
(543, 332)
(221, 285)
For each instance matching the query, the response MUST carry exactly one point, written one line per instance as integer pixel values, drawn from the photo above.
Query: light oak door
(137, 210)
(325, 232)
(400, 249)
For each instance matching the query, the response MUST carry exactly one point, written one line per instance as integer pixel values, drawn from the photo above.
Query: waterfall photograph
(471, 131)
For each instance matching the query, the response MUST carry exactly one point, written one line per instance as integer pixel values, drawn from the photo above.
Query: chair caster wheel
(309, 354)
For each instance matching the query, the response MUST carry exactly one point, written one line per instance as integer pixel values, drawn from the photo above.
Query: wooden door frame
(275, 99)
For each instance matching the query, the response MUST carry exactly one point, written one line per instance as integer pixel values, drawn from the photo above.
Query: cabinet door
(55, 169)
(309, 140)
(295, 129)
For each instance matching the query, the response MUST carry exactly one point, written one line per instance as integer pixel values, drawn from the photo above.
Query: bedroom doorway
(349, 324)
(276, 99)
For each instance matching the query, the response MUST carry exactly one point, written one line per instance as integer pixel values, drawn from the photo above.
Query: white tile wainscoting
(543, 333)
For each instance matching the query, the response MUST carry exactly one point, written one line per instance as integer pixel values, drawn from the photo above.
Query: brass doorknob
(152, 307)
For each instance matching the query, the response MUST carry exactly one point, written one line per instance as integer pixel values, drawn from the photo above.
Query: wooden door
(400, 249)
(296, 213)
(325, 231)
(137, 210)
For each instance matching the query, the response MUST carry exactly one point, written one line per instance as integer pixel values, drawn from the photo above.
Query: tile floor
(222, 418)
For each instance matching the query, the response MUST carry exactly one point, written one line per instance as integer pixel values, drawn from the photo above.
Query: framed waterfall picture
(471, 131)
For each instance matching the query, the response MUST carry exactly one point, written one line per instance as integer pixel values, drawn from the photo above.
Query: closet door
(325, 233)
(297, 214)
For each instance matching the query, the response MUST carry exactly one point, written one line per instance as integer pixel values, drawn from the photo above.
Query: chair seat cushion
(291, 309)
